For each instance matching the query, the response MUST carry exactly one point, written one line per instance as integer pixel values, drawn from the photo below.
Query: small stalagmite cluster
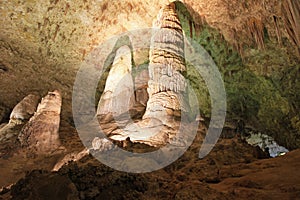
(35, 125)
(41, 132)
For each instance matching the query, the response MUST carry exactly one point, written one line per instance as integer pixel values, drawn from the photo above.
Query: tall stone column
(167, 86)
(118, 96)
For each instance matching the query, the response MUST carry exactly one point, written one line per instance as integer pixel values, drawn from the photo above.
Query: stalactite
(291, 17)
(278, 33)
(256, 31)
(191, 28)
(196, 21)
(238, 47)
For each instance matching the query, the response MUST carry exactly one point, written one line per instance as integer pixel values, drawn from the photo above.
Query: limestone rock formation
(26, 108)
(101, 144)
(140, 93)
(117, 98)
(41, 131)
(166, 94)
(124, 97)
(37, 36)
(46, 41)
(167, 85)
(19, 116)
(73, 156)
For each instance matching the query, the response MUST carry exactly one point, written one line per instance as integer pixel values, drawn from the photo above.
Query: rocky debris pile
(71, 157)
(230, 171)
(87, 182)
(39, 185)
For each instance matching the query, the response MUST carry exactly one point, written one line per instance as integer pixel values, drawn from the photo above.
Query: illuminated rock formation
(19, 116)
(26, 108)
(41, 132)
(166, 86)
(116, 99)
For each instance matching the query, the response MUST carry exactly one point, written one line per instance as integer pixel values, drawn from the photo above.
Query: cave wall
(261, 75)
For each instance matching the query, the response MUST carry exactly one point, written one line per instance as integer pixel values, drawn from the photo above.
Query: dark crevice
(3, 68)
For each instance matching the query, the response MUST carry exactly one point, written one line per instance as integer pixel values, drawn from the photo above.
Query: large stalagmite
(41, 132)
(117, 98)
(167, 85)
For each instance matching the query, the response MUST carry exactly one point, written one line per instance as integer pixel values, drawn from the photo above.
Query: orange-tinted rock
(41, 132)
(18, 117)
(26, 108)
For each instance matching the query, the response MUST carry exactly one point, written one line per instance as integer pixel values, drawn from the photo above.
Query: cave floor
(233, 170)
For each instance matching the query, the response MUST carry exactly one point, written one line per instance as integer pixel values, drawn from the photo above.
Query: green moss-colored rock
(262, 88)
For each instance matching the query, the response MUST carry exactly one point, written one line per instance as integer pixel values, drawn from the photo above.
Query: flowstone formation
(165, 98)
(41, 131)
